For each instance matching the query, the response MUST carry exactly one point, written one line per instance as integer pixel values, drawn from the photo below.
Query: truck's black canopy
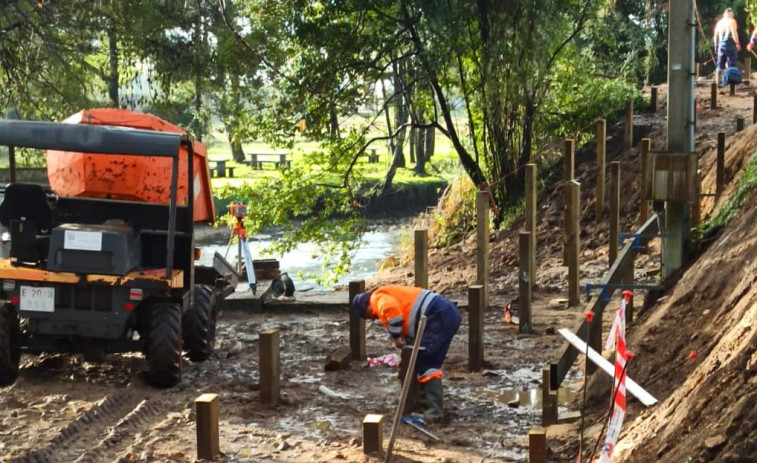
(87, 138)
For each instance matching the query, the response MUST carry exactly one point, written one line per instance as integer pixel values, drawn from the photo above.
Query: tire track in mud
(102, 432)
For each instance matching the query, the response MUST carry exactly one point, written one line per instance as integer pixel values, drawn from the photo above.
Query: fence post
(614, 210)
(629, 125)
(720, 169)
(570, 173)
(713, 96)
(357, 324)
(421, 257)
(574, 219)
(601, 155)
(525, 282)
(653, 99)
(754, 109)
(747, 68)
(646, 143)
(482, 240)
(270, 377)
(531, 198)
(732, 90)
(373, 434)
(537, 445)
(206, 409)
(476, 327)
(548, 399)
(739, 124)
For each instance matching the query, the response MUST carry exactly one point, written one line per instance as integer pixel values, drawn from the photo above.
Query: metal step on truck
(103, 259)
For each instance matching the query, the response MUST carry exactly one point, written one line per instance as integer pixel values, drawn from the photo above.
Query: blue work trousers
(442, 322)
(727, 52)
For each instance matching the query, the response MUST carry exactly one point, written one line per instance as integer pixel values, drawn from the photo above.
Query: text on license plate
(37, 299)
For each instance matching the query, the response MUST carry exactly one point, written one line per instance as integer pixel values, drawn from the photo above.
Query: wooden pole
(270, 378)
(405, 388)
(754, 109)
(629, 125)
(476, 327)
(525, 282)
(713, 96)
(357, 324)
(646, 143)
(531, 198)
(206, 409)
(548, 398)
(732, 90)
(653, 99)
(570, 173)
(601, 155)
(614, 210)
(537, 445)
(747, 69)
(739, 124)
(696, 70)
(421, 258)
(574, 216)
(373, 434)
(482, 240)
(720, 172)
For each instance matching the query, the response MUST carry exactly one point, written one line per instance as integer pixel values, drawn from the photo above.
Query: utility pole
(681, 33)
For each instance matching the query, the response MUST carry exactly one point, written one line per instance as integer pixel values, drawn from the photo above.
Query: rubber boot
(434, 399)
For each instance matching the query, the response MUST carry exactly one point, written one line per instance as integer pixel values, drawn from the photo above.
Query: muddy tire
(199, 325)
(9, 351)
(164, 344)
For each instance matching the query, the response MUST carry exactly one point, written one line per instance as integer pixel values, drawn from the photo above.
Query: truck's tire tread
(164, 344)
(199, 325)
(9, 352)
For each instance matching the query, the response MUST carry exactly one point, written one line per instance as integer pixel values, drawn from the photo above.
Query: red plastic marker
(692, 355)
(589, 316)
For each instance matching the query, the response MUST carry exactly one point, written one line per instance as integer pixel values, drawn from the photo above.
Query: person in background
(726, 40)
(399, 308)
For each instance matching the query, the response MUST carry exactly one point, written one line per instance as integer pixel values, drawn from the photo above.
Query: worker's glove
(750, 46)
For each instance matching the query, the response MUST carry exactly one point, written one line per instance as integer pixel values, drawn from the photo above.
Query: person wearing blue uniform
(726, 40)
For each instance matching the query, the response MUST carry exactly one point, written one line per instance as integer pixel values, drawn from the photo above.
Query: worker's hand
(738, 47)
(750, 46)
(399, 342)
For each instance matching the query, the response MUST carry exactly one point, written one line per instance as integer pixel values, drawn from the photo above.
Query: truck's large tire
(199, 325)
(9, 351)
(164, 344)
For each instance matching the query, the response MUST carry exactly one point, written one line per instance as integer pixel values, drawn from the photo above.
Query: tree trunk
(334, 122)
(237, 152)
(113, 62)
(198, 125)
(412, 142)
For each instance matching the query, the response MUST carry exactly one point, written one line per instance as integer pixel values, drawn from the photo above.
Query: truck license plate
(37, 299)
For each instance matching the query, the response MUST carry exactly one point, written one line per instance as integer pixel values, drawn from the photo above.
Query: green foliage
(744, 186)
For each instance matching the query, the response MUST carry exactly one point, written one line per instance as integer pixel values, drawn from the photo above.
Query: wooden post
(548, 399)
(570, 173)
(482, 240)
(525, 282)
(614, 210)
(574, 220)
(696, 70)
(270, 378)
(476, 327)
(412, 396)
(206, 408)
(357, 324)
(646, 143)
(747, 69)
(754, 109)
(732, 90)
(629, 125)
(739, 124)
(373, 434)
(713, 96)
(421, 257)
(537, 445)
(653, 99)
(531, 198)
(720, 172)
(601, 155)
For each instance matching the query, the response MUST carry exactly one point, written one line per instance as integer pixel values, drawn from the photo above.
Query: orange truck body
(130, 178)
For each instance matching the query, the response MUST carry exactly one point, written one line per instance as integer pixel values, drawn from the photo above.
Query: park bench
(279, 160)
(219, 168)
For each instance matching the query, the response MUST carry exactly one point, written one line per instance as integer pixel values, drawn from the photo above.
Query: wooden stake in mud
(531, 192)
(653, 99)
(482, 240)
(405, 388)
(548, 398)
(601, 154)
(720, 169)
(696, 71)
(614, 210)
(537, 445)
(357, 324)
(754, 109)
(270, 377)
(629, 125)
(476, 327)
(747, 69)
(206, 407)
(732, 90)
(525, 282)
(739, 124)
(570, 173)
(574, 215)
(646, 143)
(713, 96)
(373, 434)
(421, 258)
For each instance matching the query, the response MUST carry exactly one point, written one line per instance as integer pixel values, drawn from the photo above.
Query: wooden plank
(537, 445)
(601, 162)
(646, 143)
(357, 324)
(614, 209)
(531, 199)
(569, 174)
(421, 257)
(573, 190)
(373, 434)
(339, 359)
(525, 282)
(270, 364)
(482, 242)
(405, 388)
(476, 327)
(206, 407)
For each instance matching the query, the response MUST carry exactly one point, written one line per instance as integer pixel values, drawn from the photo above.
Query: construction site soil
(64, 409)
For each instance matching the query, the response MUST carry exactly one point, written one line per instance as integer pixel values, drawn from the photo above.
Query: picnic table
(218, 168)
(278, 159)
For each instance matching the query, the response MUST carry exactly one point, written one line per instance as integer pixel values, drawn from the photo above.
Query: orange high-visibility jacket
(399, 307)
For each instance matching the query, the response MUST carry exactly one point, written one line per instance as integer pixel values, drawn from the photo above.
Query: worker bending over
(726, 40)
(399, 308)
